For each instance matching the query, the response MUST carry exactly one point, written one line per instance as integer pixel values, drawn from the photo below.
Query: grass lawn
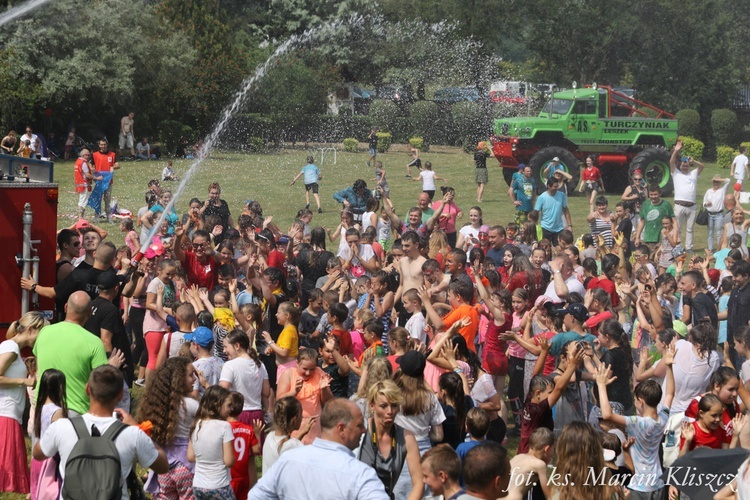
(266, 178)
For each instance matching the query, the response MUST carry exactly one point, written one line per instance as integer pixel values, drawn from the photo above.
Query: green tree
(17, 96)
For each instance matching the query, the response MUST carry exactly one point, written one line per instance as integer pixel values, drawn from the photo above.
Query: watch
(33, 287)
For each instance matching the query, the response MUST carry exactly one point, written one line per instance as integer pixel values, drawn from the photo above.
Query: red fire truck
(28, 228)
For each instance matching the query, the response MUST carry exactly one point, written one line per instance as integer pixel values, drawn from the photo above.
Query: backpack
(92, 471)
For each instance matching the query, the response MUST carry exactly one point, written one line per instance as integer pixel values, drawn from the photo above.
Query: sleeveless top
(309, 397)
(387, 469)
(600, 226)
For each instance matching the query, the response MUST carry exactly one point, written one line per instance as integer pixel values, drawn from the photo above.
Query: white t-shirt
(685, 185)
(132, 444)
(420, 425)
(691, 375)
(271, 451)
(483, 389)
(175, 342)
(416, 325)
(246, 378)
(188, 411)
(428, 180)
(208, 446)
(740, 165)
(365, 253)
(469, 232)
(13, 399)
(153, 322)
(211, 369)
(573, 286)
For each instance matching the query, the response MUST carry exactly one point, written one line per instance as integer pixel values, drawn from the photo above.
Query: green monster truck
(599, 121)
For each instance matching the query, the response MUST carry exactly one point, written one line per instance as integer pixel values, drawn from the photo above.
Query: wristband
(458, 369)
(33, 288)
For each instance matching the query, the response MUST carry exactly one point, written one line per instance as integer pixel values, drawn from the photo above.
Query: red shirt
(345, 341)
(591, 174)
(104, 162)
(82, 183)
(712, 439)
(597, 319)
(202, 274)
(607, 285)
(244, 440)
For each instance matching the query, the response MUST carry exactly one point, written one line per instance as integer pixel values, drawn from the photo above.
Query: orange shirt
(468, 332)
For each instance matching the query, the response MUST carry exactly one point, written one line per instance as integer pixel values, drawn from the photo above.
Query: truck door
(584, 122)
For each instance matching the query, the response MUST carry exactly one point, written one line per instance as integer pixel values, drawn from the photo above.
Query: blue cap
(685, 159)
(521, 166)
(202, 336)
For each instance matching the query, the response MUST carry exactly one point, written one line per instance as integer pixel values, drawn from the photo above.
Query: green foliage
(350, 145)
(649, 113)
(293, 91)
(471, 123)
(688, 122)
(170, 132)
(383, 113)
(424, 120)
(385, 140)
(256, 144)
(725, 155)
(418, 143)
(17, 96)
(746, 145)
(724, 126)
(692, 147)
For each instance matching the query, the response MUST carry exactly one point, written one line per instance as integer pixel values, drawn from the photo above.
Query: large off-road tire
(654, 164)
(543, 157)
(508, 174)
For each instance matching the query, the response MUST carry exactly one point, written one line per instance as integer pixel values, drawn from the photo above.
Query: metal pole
(28, 217)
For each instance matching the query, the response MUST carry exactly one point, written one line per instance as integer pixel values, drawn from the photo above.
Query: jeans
(686, 219)
(715, 228)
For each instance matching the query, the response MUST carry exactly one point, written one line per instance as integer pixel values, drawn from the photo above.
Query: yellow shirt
(288, 339)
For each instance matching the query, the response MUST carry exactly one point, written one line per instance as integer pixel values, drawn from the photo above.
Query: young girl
(335, 366)
(370, 217)
(670, 239)
(516, 352)
(131, 237)
(51, 406)
(154, 326)
(246, 447)
(468, 236)
(707, 429)
(428, 178)
(244, 373)
(454, 402)
(380, 299)
(384, 230)
(451, 212)
(286, 347)
(168, 406)
(371, 335)
(211, 446)
(398, 345)
(310, 385)
(361, 318)
(287, 418)
(224, 320)
(618, 356)
(347, 221)
(657, 370)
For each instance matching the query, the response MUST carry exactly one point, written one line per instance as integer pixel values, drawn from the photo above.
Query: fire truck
(28, 228)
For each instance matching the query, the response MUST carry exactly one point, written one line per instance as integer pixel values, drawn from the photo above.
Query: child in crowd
(335, 366)
(477, 425)
(224, 320)
(168, 173)
(287, 418)
(173, 341)
(206, 364)
(428, 178)
(338, 313)
(286, 347)
(51, 405)
(211, 446)
(310, 318)
(246, 447)
(416, 323)
(371, 336)
(131, 237)
(361, 318)
(529, 470)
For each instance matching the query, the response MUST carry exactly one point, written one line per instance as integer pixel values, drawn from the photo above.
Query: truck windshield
(557, 106)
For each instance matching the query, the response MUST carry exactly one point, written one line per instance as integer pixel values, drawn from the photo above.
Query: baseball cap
(412, 363)
(685, 159)
(82, 224)
(556, 158)
(107, 280)
(577, 310)
(153, 250)
(484, 229)
(202, 336)
(521, 166)
(680, 328)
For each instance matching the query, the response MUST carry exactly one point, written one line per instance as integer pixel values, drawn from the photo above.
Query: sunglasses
(199, 245)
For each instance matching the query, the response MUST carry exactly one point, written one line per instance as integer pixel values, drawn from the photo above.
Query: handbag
(702, 218)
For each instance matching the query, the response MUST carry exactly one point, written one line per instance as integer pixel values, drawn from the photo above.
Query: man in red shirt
(200, 265)
(106, 161)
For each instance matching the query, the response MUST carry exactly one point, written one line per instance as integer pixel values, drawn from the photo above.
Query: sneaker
(102, 217)
(408, 176)
(141, 382)
(320, 210)
(307, 206)
(367, 163)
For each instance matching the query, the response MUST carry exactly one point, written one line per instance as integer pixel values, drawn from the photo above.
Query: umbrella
(704, 471)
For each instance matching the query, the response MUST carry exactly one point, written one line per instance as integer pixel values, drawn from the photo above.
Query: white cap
(555, 159)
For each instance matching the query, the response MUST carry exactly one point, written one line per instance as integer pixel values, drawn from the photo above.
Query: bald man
(67, 346)
(81, 279)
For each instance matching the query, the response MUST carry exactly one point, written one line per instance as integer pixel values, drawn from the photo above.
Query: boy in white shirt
(739, 167)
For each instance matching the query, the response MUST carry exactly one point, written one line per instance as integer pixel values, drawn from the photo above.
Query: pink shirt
(514, 348)
(358, 343)
(447, 225)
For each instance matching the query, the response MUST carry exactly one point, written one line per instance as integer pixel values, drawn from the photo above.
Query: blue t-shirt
(553, 169)
(171, 217)
(552, 210)
(648, 434)
(524, 190)
(723, 306)
(312, 172)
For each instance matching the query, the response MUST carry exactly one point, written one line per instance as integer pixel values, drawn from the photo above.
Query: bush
(746, 145)
(350, 145)
(425, 121)
(383, 113)
(170, 132)
(471, 123)
(724, 126)
(419, 143)
(692, 147)
(384, 141)
(256, 144)
(649, 113)
(725, 155)
(688, 122)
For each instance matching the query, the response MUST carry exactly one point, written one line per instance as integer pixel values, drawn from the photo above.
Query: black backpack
(92, 471)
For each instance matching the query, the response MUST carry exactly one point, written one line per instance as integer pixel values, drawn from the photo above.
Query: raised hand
(688, 431)
(602, 375)
(669, 355)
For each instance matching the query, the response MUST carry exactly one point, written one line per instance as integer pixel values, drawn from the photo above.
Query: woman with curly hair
(438, 247)
(167, 405)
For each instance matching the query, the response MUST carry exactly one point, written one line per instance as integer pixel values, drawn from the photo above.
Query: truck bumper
(504, 148)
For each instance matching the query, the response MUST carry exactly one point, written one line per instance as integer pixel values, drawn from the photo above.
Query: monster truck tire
(508, 174)
(544, 156)
(654, 164)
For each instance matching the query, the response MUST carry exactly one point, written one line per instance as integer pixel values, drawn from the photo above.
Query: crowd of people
(391, 357)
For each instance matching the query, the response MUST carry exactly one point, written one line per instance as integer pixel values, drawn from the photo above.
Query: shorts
(83, 198)
(372, 152)
(589, 187)
(126, 140)
(312, 186)
(495, 363)
(430, 193)
(415, 163)
(482, 176)
(223, 493)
